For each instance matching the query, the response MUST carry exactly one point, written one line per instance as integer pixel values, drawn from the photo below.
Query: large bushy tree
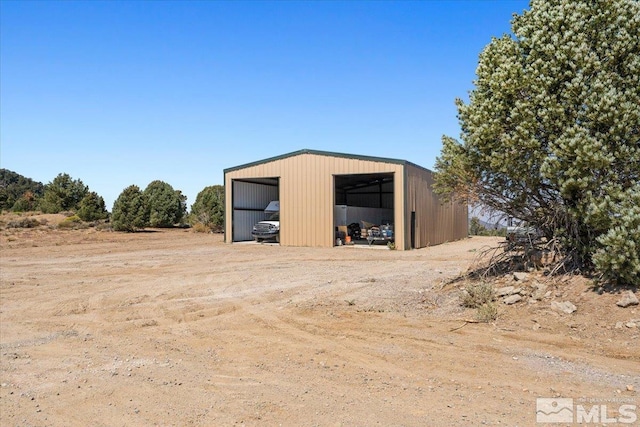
(551, 132)
(208, 208)
(92, 207)
(167, 206)
(63, 194)
(130, 210)
(18, 192)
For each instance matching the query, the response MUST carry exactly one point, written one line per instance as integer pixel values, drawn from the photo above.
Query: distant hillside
(491, 225)
(13, 186)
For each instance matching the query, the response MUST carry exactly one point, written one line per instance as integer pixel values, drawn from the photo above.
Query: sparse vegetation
(487, 312)
(24, 223)
(476, 295)
(72, 222)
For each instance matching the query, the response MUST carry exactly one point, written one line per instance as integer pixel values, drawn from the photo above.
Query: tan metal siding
(436, 222)
(306, 194)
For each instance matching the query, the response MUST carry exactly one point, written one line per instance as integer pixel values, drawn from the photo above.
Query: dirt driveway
(177, 328)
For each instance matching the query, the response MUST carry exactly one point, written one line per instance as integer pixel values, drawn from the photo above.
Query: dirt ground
(173, 328)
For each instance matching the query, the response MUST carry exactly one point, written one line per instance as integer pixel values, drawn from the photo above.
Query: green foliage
(208, 208)
(551, 133)
(13, 188)
(28, 202)
(72, 222)
(63, 194)
(167, 206)
(130, 210)
(618, 257)
(476, 228)
(92, 207)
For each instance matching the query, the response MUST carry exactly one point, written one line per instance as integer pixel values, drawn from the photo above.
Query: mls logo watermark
(602, 411)
(550, 410)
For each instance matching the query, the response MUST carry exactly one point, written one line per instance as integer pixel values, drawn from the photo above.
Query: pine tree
(130, 211)
(551, 133)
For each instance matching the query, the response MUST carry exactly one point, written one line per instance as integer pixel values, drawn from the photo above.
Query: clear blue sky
(122, 92)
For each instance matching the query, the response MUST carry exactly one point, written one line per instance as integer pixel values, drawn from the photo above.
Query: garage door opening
(250, 197)
(364, 208)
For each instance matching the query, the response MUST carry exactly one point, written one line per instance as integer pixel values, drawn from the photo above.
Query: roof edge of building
(324, 153)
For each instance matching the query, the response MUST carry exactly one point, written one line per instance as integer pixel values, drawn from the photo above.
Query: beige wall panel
(307, 194)
(307, 199)
(435, 222)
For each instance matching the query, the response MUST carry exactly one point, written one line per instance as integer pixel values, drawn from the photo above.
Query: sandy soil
(177, 328)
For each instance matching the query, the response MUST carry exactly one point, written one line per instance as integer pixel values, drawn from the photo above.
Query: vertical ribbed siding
(306, 184)
(249, 201)
(307, 194)
(436, 222)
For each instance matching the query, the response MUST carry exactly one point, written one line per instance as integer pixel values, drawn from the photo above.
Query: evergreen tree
(130, 210)
(92, 207)
(208, 208)
(551, 133)
(63, 194)
(18, 192)
(166, 205)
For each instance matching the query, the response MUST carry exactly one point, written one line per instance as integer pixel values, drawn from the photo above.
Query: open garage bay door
(364, 197)
(250, 197)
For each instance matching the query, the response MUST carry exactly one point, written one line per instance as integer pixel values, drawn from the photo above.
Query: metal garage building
(312, 185)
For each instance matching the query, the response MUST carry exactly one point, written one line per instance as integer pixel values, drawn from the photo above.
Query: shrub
(199, 227)
(477, 294)
(24, 223)
(72, 222)
(487, 312)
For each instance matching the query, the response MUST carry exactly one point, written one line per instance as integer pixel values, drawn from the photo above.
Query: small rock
(565, 307)
(629, 387)
(540, 291)
(519, 276)
(512, 299)
(631, 325)
(536, 326)
(507, 290)
(619, 325)
(628, 298)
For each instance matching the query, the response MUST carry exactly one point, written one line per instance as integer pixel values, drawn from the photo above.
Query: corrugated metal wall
(307, 194)
(249, 201)
(435, 222)
(363, 196)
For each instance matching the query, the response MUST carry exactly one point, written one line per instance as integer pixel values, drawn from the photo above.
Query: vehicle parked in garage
(270, 228)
